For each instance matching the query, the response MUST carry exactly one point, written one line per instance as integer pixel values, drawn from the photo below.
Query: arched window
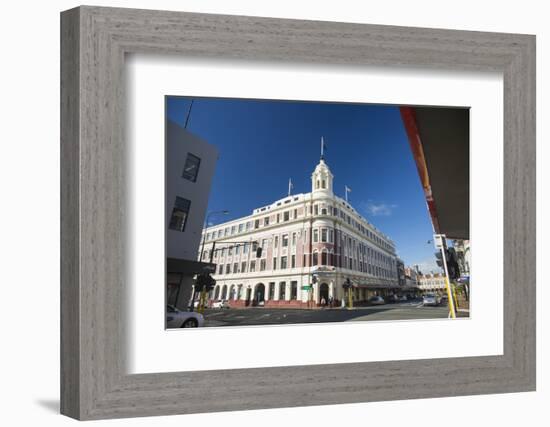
(323, 184)
(324, 258)
(317, 184)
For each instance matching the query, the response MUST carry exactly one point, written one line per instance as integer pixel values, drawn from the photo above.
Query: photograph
(286, 212)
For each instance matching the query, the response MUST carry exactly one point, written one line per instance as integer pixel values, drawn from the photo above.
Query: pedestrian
(323, 302)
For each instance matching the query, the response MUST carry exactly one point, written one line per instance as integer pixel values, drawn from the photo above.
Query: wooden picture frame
(94, 41)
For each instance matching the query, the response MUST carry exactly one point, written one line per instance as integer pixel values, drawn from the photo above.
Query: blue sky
(264, 143)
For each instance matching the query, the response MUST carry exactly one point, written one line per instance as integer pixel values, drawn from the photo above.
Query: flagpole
(322, 146)
(289, 185)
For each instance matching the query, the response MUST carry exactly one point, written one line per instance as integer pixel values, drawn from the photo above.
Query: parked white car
(183, 319)
(223, 303)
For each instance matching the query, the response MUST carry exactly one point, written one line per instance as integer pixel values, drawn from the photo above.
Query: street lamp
(206, 222)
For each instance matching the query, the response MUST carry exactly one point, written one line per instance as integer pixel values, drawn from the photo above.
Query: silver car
(183, 319)
(430, 299)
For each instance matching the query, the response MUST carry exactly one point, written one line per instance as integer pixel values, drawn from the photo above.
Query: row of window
(325, 259)
(293, 214)
(236, 292)
(241, 267)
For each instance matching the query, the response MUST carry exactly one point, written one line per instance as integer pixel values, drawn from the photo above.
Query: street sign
(306, 288)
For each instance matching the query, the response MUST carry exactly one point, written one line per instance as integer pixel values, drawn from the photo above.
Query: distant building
(190, 166)
(302, 235)
(432, 282)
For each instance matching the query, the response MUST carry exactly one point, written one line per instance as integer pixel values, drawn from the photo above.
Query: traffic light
(204, 282)
(439, 259)
(452, 263)
(347, 284)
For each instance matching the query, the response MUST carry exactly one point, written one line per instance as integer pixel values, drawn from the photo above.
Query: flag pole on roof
(347, 190)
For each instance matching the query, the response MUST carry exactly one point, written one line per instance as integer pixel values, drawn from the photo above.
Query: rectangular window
(316, 210)
(227, 268)
(243, 267)
(237, 249)
(240, 228)
(286, 216)
(324, 211)
(262, 264)
(331, 236)
(278, 218)
(293, 261)
(283, 262)
(315, 236)
(257, 223)
(248, 225)
(266, 221)
(282, 290)
(293, 290)
(276, 241)
(285, 240)
(180, 214)
(235, 268)
(252, 266)
(293, 239)
(191, 168)
(220, 269)
(323, 235)
(271, 290)
(295, 213)
(264, 245)
(274, 263)
(245, 248)
(233, 229)
(230, 251)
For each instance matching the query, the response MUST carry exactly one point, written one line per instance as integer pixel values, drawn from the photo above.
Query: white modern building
(311, 243)
(190, 166)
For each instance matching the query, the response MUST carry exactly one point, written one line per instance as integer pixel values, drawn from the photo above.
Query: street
(277, 316)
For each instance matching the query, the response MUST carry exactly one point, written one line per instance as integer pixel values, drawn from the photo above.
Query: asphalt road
(277, 316)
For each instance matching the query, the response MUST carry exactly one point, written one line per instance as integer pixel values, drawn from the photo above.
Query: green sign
(306, 288)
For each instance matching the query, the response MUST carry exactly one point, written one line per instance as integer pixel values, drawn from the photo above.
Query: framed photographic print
(316, 212)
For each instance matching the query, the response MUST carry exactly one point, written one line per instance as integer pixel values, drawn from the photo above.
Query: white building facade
(302, 236)
(432, 283)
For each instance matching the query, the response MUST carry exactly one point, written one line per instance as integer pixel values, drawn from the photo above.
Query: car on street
(444, 300)
(391, 298)
(403, 298)
(223, 303)
(376, 300)
(430, 299)
(176, 318)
